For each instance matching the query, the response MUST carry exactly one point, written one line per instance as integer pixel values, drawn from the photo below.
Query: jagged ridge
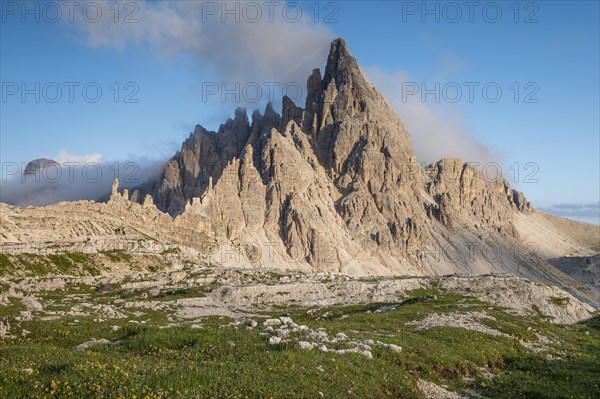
(336, 185)
(346, 155)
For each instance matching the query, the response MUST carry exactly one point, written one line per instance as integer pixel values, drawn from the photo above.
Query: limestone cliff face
(462, 192)
(203, 155)
(335, 184)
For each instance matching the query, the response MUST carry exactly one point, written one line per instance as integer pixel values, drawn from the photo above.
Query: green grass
(76, 264)
(159, 363)
(117, 255)
(174, 250)
(5, 265)
(559, 301)
(62, 262)
(575, 376)
(230, 362)
(33, 265)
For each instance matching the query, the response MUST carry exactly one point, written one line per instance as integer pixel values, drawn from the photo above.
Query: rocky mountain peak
(335, 185)
(341, 65)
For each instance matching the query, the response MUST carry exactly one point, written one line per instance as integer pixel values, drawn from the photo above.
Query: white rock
(341, 336)
(394, 348)
(91, 343)
(322, 339)
(318, 334)
(360, 345)
(286, 320)
(274, 340)
(271, 322)
(304, 345)
(282, 332)
(4, 328)
(31, 303)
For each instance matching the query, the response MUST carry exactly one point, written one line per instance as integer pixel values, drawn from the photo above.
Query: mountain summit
(335, 186)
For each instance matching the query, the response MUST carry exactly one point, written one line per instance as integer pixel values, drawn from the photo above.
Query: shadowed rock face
(336, 183)
(585, 269)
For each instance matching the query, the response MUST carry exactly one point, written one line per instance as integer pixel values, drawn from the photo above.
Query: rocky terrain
(239, 292)
(453, 335)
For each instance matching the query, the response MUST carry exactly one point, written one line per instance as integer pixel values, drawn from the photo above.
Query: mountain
(336, 185)
(39, 165)
(333, 187)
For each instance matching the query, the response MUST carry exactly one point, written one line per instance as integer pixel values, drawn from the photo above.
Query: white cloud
(85, 177)
(585, 212)
(64, 157)
(268, 50)
(436, 133)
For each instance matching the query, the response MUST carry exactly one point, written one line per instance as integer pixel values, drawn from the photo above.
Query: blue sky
(547, 51)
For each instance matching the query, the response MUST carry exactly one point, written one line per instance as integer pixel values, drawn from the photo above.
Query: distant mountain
(40, 164)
